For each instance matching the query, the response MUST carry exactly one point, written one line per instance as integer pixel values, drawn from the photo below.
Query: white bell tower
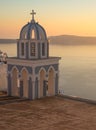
(33, 42)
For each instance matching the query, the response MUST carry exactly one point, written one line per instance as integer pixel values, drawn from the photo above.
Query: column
(56, 84)
(36, 88)
(9, 91)
(30, 90)
(33, 90)
(46, 84)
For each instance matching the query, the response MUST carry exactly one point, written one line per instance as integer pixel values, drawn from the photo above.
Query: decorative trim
(42, 68)
(40, 62)
(46, 67)
(19, 68)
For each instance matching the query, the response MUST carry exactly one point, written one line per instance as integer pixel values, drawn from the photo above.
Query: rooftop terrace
(50, 113)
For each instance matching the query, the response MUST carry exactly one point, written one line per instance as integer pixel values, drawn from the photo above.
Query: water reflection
(77, 68)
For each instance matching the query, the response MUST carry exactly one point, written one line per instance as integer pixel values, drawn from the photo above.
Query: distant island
(63, 40)
(8, 40)
(72, 40)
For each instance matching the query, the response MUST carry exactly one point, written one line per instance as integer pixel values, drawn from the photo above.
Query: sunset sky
(58, 17)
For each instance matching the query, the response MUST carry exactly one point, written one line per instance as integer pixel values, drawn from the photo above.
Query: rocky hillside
(72, 40)
(7, 40)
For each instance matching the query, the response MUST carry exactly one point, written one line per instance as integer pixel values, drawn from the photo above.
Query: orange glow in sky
(58, 17)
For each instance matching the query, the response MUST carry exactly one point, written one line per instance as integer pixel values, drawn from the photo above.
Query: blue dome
(33, 42)
(34, 31)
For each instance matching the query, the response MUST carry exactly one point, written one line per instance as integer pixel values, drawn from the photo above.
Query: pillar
(36, 88)
(56, 84)
(30, 90)
(9, 85)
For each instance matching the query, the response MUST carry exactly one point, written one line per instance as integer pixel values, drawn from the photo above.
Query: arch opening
(42, 78)
(15, 89)
(24, 83)
(51, 84)
(43, 49)
(22, 48)
(32, 49)
(33, 34)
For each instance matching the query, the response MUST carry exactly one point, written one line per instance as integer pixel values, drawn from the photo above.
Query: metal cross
(33, 13)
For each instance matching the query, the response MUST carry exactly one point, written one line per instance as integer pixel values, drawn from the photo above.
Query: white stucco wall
(3, 77)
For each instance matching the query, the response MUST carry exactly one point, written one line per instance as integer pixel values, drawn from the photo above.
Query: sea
(77, 68)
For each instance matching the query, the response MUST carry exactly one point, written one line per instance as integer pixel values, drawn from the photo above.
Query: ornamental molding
(33, 63)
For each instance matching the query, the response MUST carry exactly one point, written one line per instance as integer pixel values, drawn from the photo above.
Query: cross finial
(33, 13)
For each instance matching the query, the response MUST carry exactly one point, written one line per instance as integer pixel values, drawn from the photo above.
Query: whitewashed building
(33, 74)
(3, 77)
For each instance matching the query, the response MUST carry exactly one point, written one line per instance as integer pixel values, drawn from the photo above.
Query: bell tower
(33, 73)
(33, 43)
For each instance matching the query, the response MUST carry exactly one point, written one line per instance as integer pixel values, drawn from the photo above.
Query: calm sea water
(77, 68)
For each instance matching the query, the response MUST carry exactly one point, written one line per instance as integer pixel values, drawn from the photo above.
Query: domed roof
(33, 30)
